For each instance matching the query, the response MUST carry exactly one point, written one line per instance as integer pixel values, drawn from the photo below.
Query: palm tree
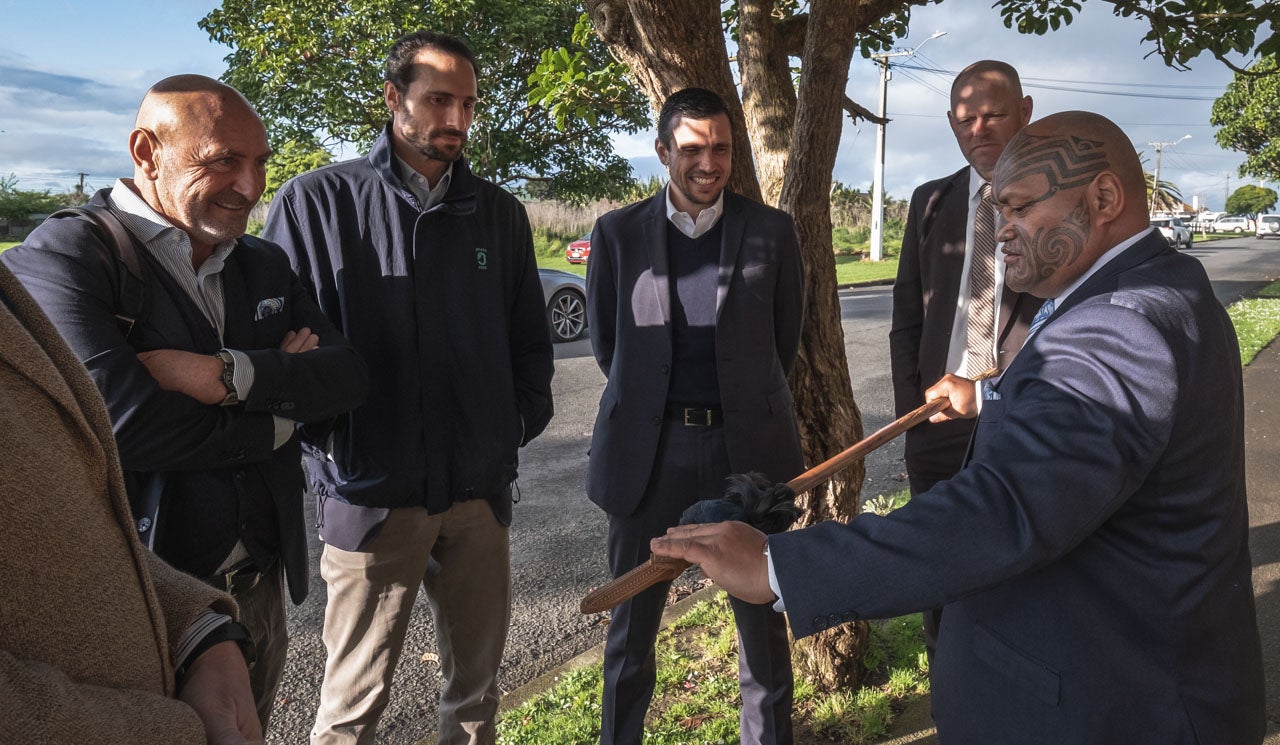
(1168, 198)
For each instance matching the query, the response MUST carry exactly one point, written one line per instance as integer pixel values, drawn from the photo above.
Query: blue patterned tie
(1041, 316)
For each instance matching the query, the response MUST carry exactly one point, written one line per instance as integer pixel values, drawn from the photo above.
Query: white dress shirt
(690, 226)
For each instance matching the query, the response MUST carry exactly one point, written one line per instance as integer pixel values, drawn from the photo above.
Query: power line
(942, 71)
(1069, 89)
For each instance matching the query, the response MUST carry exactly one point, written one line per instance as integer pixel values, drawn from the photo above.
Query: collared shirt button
(656, 420)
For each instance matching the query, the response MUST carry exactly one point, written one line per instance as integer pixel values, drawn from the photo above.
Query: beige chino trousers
(462, 558)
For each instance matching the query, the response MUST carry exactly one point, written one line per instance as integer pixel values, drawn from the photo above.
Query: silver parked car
(566, 295)
(1268, 226)
(1177, 234)
(1232, 224)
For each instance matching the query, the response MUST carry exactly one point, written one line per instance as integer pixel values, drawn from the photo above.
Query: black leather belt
(693, 416)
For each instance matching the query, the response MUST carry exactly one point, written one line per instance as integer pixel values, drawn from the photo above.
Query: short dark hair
(399, 70)
(690, 103)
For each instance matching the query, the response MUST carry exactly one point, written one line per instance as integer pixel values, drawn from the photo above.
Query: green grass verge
(1257, 321)
(8, 244)
(849, 269)
(853, 270)
(696, 699)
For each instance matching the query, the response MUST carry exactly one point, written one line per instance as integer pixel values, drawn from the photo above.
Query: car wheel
(1238, 231)
(567, 314)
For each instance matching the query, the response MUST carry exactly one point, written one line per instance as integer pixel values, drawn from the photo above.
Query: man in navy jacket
(429, 271)
(1092, 555)
(229, 353)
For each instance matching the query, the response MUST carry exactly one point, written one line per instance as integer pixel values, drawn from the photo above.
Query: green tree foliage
(18, 204)
(1180, 29)
(291, 159)
(314, 68)
(1250, 200)
(1249, 115)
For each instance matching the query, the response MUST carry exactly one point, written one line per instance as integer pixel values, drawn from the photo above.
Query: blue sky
(72, 73)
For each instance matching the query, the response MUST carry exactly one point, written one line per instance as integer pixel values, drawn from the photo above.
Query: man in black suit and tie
(695, 299)
(952, 311)
(1092, 554)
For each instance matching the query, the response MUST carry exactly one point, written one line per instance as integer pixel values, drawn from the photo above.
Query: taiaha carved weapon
(751, 498)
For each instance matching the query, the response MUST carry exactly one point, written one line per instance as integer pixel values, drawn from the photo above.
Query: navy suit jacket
(1092, 555)
(924, 311)
(213, 467)
(759, 305)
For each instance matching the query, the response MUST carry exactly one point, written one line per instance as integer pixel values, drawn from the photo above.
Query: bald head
(199, 153)
(181, 100)
(1070, 187)
(987, 109)
(988, 69)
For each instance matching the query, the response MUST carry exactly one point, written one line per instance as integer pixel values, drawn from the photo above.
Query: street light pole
(877, 179)
(1155, 177)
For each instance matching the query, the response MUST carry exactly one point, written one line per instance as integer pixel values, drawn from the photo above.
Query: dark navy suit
(646, 467)
(218, 477)
(1092, 555)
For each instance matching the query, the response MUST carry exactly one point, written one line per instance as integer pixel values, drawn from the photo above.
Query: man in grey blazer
(1092, 555)
(694, 300)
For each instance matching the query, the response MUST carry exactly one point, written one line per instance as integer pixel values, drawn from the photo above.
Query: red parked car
(579, 251)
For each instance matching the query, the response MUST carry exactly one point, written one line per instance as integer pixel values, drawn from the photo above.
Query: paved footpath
(1262, 453)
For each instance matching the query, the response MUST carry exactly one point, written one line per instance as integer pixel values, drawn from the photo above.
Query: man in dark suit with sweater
(228, 354)
(952, 311)
(1093, 551)
(694, 298)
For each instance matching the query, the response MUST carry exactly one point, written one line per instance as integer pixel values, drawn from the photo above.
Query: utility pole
(877, 179)
(1155, 179)
(80, 187)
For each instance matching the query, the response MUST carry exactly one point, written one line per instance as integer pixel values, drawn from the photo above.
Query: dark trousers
(932, 618)
(691, 464)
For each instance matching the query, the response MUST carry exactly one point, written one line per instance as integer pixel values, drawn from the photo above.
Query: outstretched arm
(730, 553)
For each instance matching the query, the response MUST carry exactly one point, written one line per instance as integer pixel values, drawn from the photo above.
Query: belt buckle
(230, 580)
(706, 416)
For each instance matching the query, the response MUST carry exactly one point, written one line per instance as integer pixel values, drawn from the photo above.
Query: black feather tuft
(750, 498)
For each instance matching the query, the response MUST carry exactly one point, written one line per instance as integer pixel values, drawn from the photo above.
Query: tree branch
(857, 111)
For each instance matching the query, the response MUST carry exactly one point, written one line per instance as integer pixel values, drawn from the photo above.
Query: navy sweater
(447, 309)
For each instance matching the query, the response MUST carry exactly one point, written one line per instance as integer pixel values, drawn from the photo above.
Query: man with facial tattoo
(1092, 554)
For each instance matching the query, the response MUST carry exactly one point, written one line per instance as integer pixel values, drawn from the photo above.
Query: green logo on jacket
(482, 258)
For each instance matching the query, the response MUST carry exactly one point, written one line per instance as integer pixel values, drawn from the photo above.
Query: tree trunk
(674, 44)
(768, 96)
(820, 383)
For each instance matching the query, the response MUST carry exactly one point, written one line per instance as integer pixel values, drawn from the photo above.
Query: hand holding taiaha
(662, 569)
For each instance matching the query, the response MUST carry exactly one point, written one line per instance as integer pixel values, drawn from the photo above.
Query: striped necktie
(981, 340)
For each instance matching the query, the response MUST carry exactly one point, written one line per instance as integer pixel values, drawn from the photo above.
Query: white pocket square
(268, 307)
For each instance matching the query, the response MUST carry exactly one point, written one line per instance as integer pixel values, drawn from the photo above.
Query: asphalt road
(557, 538)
